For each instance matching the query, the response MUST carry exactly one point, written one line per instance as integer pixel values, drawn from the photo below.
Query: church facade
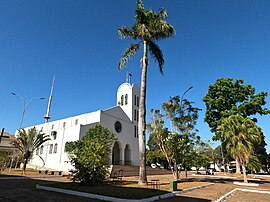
(121, 119)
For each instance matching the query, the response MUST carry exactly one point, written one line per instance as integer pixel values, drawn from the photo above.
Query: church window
(55, 148)
(51, 148)
(122, 100)
(76, 122)
(54, 134)
(126, 99)
(41, 149)
(137, 101)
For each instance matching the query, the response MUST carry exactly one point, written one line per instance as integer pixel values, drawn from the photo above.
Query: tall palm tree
(27, 142)
(240, 135)
(149, 28)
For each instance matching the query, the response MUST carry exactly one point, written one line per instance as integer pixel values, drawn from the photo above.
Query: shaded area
(121, 189)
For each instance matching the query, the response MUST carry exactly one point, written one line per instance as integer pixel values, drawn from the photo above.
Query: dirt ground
(220, 187)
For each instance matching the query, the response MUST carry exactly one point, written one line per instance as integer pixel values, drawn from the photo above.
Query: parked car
(210, 171)
(153, 165)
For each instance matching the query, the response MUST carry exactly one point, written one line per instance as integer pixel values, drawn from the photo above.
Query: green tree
(90, 155)
(227, 97)
(175, 145)
(201, 156)
(149, 28)
(5, 159)
(240, 135)
(27, 142)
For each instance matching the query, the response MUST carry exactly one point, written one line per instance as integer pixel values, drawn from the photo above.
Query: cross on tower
(2, 135)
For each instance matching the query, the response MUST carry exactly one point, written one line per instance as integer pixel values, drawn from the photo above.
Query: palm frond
(131, 51)
(157, 54)
(124, 32)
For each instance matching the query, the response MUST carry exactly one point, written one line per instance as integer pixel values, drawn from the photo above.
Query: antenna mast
(47, 116)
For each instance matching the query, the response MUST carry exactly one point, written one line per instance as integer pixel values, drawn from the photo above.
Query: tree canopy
(227, 97)
(90, 155)
(175, 145)
(28, 141)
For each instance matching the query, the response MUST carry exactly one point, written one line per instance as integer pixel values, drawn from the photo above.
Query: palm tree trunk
(237, 164)
(24, 166)
(244, 173)
(142, 124)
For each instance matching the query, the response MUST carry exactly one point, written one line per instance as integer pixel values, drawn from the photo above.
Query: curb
(114, 199)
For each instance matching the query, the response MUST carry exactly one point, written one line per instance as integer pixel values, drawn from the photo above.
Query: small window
(76, 122)
(41, 149)
(51, 149)
(126, 99)
(122, 100)
(135, 114)
(64, 124)
(138, 101)
(54, 134)
(37, 150)
(135, 131)
(135, 99)
(55, 148)
(52, 126)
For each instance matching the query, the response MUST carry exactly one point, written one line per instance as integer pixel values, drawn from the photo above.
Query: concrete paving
(23, 190)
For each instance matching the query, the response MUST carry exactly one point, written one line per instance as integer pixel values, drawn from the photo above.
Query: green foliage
(5, 158)
(254, 164)
(176, 145)
(28, 141)
(150, 26)
(226, 98)
(201, 155)
(240, 135)
(90, 155)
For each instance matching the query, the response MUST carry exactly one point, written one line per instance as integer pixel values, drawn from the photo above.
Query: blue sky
(77, 41)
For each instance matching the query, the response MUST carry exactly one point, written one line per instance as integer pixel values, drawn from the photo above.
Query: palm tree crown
(150, 27)
(240, 135)
(28, 141)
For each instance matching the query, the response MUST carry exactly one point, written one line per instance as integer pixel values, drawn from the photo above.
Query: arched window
(55, 148)
(41, 149)
(126, 99)
(122, 100)
(51, 148)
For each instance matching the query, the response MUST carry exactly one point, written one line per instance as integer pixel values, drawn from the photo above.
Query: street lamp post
(25, 105)
(184, 94)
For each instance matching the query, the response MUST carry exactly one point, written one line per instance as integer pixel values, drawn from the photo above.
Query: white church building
(121, 119)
